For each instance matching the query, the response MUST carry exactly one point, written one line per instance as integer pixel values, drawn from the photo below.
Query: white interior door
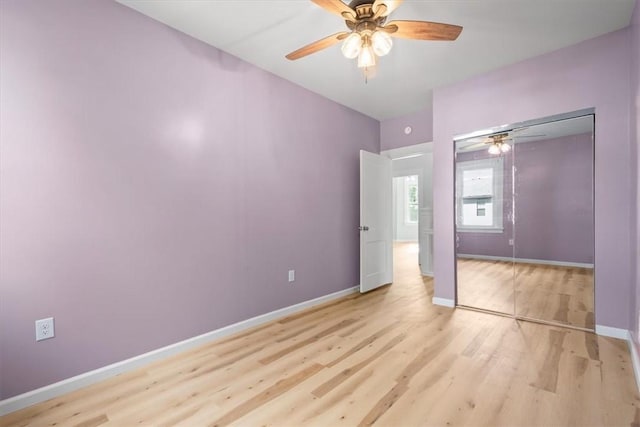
(376, 227)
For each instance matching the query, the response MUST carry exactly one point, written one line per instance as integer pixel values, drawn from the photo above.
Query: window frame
(407, 204)
(497, 165)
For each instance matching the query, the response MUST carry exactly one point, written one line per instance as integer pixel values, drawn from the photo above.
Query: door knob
(363, 228)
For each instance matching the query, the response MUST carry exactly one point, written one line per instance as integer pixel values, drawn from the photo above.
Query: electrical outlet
(44, 329)
(510, 242)
(292, 275)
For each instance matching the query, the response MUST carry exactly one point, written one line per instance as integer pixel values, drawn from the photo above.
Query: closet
(524, 217)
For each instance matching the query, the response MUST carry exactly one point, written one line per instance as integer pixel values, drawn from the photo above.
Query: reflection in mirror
(525, 222)
(554, 222)
(483, 226)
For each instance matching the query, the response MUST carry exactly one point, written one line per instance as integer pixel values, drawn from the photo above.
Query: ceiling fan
(369, 34)
(497, 142)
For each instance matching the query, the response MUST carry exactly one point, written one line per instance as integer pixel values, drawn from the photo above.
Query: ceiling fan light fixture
(352, 45)
(369, 35)
(504, 147)
(494, 149)
(367, 58)
(381, 42)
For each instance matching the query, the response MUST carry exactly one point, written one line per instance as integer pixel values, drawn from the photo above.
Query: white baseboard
(608, 331)
(79, 381)
(623, 334)
(635, 360)
(527, 260)
(445, 302)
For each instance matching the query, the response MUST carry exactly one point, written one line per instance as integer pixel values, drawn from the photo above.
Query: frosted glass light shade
(504, 147)
(367, 58)
(494, 149)
(352, 45)
(381, 42)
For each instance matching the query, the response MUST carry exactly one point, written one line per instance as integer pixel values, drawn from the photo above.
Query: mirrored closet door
(525, 222)
(484, 261)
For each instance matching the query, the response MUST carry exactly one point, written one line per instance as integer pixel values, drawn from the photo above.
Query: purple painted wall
(392, 130)
(155, 188)
(553, 203)
(554, 199)
(594, 73)
(635, 136)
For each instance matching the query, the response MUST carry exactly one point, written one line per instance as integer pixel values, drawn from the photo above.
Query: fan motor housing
(357, 3)
(364, 15)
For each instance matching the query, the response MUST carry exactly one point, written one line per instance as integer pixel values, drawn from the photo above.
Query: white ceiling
(496, 33)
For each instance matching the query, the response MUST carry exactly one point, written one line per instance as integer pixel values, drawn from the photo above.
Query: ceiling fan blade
(337, 8)
(423, 30)
(317, 45)
(385, 7)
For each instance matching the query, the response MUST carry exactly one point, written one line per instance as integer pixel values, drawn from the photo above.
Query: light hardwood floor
(388, 358)
(545, 292)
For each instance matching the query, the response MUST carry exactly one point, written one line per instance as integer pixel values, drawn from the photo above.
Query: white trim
(445, 302)
(408, 151)
(527, 260)
(409, 156)
(608, 331)
(471, 229)
(483, 132)
(74, 383)
(635, 360)
(624, 334)
(406, 240)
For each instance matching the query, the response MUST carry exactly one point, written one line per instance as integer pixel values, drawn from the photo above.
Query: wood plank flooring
(388, 358)
(545, 292)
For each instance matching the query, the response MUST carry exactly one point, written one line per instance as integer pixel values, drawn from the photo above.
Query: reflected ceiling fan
(369, 34)
(498, 143)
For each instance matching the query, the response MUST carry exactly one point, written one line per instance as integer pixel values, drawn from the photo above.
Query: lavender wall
(635, 136)
(392, 130)
(594, 74)
(155, 188)
(553, 203)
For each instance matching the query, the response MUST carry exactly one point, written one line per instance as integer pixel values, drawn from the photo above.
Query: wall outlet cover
(292, 275)
(45, 329)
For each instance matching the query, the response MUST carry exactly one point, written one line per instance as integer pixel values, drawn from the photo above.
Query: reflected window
(479, 195)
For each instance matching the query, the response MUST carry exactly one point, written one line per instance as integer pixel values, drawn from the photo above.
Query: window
(411, 207)
(479, 195)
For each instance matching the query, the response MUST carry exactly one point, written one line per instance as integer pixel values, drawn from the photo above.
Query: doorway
(411, 168)
(406, 208)
(379, 217)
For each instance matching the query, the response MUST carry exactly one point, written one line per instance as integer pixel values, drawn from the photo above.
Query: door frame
(408, 152)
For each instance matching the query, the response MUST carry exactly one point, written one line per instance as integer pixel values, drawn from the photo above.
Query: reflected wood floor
(545, 292)
(389, 358)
